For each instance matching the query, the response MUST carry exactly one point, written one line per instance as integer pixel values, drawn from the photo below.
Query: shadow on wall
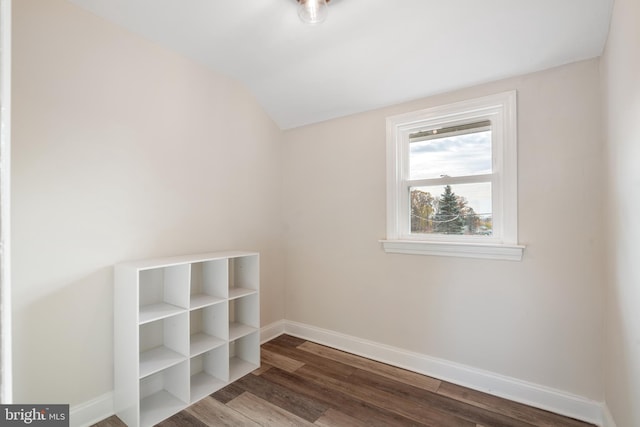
(63, 343)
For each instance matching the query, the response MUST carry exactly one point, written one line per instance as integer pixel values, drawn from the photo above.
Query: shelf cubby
(208, 328)
(209, 372)
(243, 276)
(164, 393)
(244, 355)
(209, 281)
(162, 292)
(162, 343)
(243, 316)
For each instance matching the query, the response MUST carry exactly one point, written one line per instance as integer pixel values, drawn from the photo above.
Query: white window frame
(500, 109)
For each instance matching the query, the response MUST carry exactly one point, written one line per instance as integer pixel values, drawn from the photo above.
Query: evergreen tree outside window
(452, 180)
(448, 219)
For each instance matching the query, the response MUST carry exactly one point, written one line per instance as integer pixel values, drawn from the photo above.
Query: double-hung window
(452, 180)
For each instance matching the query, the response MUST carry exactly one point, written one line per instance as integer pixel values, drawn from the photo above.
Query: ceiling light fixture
(312, 12)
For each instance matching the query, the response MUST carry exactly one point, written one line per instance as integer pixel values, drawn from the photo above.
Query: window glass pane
(459, 155)
(463, 209)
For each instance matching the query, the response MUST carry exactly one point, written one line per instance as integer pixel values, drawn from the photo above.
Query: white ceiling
(368, 53)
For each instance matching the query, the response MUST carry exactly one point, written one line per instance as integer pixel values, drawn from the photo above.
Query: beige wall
(539, 320)
(621, 83)
(121, 150)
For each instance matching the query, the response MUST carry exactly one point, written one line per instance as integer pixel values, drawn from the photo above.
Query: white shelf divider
(239, 330)
(157, 359)
(201, 343)
(203, 300)
(152, 312)
(235, 293)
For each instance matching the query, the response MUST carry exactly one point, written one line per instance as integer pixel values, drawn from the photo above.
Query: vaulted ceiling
(368, 53)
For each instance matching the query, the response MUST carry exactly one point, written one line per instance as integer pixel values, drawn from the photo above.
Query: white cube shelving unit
(184, 328)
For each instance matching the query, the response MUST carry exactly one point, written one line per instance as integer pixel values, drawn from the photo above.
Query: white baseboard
(553, 400)
(271, 331)
(88, 413)
(514, 389)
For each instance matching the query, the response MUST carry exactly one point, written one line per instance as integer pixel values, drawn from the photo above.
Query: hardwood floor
(302, 383)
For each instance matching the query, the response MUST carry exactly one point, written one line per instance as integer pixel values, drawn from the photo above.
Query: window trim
(501, 110)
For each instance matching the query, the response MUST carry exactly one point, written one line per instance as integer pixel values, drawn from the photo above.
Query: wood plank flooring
(301, 383)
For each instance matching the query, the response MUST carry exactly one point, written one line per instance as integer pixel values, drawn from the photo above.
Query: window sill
(455, 249)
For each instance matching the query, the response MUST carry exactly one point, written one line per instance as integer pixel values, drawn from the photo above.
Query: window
(452, 180)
